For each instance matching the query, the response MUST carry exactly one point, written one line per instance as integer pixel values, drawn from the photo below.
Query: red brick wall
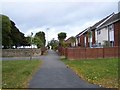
(117, 33)
(89, 53)
(87, 43)
(93, 37)
(117, 52)
(100, 53)
(82, 40)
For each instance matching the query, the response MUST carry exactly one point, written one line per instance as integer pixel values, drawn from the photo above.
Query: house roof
(101, 22)
(113, 19)
(79, 33)
(84, 31)
(68, 40)
(95, 25)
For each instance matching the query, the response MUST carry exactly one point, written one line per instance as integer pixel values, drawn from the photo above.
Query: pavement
(54, 74)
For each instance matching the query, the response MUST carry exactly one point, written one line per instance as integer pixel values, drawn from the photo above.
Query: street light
(47, 34)
(31, 47)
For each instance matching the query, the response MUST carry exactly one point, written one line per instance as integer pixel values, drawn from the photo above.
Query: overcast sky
(64, 16)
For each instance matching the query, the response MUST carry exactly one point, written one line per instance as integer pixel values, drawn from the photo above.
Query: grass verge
(16, 74)
(103, 72)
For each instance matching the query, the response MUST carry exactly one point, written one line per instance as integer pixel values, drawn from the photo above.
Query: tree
(61, 37)
(26, 41)
(54, 44)
(37, 41)
(16, 41)
(6, 31)
(11, 36)
(41, 36)
(73, 40)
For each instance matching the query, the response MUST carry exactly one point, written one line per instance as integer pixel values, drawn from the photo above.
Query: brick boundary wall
(90, 53)
(20, 52)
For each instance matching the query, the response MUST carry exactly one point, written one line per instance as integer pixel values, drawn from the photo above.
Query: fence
(89, 53)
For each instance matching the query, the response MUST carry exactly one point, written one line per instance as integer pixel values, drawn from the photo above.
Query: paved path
(54, 74)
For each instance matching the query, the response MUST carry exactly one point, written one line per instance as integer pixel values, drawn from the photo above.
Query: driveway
(54, 74)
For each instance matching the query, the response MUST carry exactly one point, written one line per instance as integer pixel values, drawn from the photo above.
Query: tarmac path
(54, 74)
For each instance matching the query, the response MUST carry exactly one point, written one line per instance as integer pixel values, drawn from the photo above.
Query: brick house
(70, 43)
(109, 32)
(82, 38)
(96, 26)
(87, 38)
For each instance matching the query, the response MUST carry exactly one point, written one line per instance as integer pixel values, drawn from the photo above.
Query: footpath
(54, 74)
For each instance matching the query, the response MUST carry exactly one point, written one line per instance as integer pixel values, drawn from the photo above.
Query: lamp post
(31, 47)
(47, 35)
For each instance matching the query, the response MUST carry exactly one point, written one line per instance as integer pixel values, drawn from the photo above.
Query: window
(110, 28)
(98, 32)
(85, 41)
(111, 33)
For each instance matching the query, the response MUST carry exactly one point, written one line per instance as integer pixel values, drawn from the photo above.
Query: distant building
(70, 43)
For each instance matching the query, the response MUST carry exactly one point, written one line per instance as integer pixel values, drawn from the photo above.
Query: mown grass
(16, 74)
(103, 72)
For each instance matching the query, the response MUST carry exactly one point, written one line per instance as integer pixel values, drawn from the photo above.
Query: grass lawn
(16, 74)
(103, 72)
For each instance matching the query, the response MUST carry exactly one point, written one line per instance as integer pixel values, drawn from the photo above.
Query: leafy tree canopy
(11, 36)
(54, 44)
(6, 31)
(72, 39)
(39, 39)
(61, 36)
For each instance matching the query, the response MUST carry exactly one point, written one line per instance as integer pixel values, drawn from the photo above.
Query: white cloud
(53, 31)
(70, 17)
